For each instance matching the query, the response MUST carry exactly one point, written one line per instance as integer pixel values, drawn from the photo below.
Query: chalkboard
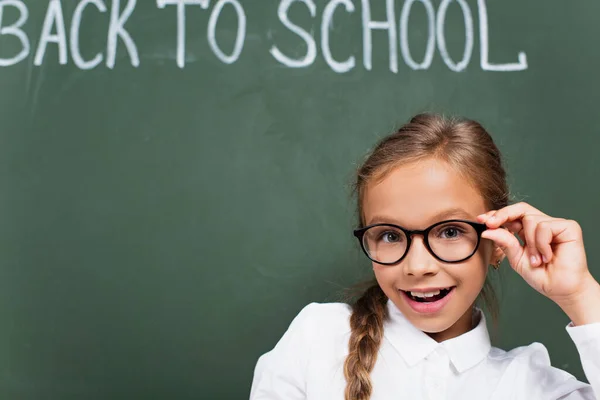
(175, 174)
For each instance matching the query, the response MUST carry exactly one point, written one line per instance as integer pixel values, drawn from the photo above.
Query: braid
(368, 314)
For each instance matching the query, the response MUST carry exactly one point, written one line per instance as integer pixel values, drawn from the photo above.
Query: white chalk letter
(404, 17)
(181, 23)
(339, 67)
(54, 16)
(75, 24)
(116, 29)
(441, 40)
(311, 53)
(484, 39)
(369, 25)
(15, 30)
(241, 31)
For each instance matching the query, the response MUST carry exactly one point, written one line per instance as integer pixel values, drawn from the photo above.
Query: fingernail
(492, 218)
(533, 260)
(544, 258)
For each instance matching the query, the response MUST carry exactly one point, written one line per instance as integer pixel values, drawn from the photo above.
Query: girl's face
(415, 196)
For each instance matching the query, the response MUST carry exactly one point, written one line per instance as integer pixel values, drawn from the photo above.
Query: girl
(433, 210)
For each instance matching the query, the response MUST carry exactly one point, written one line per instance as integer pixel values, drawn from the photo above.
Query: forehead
(421, 193)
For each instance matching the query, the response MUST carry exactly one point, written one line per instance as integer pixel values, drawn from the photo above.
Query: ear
(496, 256)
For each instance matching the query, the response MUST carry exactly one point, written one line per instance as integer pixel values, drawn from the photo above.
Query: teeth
(425, 294)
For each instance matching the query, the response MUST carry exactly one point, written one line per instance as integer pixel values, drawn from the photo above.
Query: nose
(419, 261)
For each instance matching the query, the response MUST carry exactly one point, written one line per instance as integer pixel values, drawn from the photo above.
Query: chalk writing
(311, 53)
(241, 31)
(429, 50)
(56, 24)
(75, 24)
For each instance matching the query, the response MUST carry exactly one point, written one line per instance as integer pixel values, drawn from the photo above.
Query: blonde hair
(468, 148)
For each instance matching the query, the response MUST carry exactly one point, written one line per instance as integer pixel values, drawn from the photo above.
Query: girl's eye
(451, 232)
(390, 237)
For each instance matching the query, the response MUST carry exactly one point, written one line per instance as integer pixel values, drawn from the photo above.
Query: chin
(432, 325)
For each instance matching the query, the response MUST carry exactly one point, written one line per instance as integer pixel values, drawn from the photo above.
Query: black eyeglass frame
(479, 228)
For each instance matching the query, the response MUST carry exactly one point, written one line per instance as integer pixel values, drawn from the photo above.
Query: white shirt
(308, 363)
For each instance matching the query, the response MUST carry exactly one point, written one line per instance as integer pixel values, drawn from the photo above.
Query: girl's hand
(551, 260)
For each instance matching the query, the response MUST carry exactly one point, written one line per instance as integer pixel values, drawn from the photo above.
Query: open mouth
(428, 297)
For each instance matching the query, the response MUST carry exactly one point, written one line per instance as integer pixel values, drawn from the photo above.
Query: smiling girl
(434, 215)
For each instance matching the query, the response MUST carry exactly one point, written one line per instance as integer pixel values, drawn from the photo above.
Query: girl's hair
(468, 149)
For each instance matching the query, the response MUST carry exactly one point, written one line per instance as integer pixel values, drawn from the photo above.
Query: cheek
(387, 277)
(474, 274)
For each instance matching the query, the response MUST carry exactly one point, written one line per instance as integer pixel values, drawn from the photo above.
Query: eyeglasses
(450, 241)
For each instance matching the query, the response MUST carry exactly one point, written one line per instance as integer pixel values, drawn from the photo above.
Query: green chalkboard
(175, 178)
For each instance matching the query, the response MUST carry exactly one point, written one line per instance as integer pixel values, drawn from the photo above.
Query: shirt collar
(464, 351)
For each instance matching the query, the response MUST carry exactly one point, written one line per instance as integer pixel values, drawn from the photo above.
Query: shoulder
(313, 340)
(317, 325)
(327, 310)
(524, 363)
(535, 353)
(531, 359)
(528, 369)
(321, 318)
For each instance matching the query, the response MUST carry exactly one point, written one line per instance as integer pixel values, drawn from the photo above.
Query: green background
(161, 226)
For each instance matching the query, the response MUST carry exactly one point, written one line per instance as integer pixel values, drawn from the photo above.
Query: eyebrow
(451, 213)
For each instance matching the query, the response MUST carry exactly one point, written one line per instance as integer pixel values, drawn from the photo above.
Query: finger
(483, 217)
(525, 228)
(530, 225)
(543, 239)
(515, 227)
(512, 213)
(508, 243)
(563, 230)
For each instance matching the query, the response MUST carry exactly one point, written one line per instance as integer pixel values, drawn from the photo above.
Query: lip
(429, 289)
(427, 308)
